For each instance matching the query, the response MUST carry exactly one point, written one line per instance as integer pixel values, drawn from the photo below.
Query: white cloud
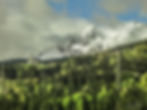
(108, 37)
(28, 27)
(122, 6)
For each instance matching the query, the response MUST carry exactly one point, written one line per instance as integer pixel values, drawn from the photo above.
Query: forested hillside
(81, 83)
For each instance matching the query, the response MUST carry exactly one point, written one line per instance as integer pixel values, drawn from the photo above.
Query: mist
(34, 29)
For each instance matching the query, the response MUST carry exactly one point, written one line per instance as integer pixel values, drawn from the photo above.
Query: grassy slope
(81, 83)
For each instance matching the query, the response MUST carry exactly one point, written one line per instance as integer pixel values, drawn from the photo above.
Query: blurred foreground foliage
(81, 83)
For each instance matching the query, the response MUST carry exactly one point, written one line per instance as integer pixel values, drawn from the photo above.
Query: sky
(32, 28)
(87, 9)
(76, 8)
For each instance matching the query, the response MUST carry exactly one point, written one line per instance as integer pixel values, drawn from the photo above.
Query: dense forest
(114, 80)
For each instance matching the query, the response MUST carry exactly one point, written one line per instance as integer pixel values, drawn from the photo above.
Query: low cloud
(26, 30)
(30, 27)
